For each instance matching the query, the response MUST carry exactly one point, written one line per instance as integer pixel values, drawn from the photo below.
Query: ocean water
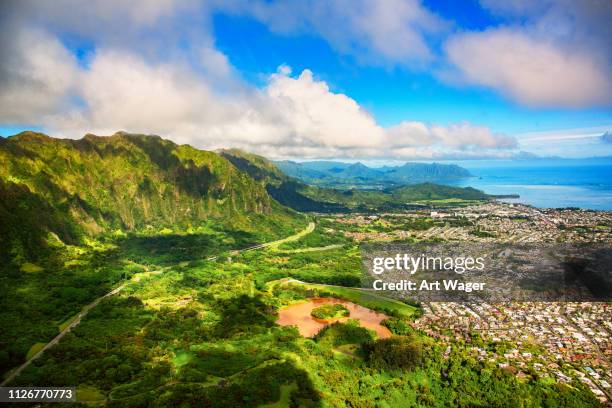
(585, 183)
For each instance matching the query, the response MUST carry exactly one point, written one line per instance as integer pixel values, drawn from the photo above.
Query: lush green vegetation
(195, 324)
(397, 326)
(399, 352)
(340, 334)
(59, 191)
(321, 237)
(52, 297)
(374, 201)
(78, 216)
(330, 311)
(203, 333)
(303, 197)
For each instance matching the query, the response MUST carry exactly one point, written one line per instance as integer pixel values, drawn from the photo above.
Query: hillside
(64, 190)
(286, 190)
(303, 197)
(357, 175)
(79, 216)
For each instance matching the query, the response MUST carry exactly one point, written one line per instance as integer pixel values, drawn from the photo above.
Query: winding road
(75, 322)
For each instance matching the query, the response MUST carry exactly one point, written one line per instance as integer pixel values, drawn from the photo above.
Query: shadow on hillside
(175, 248)
(243, 315)
(254, 387)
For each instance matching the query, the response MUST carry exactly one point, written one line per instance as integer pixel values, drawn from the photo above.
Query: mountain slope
(425, 172)
(299, 170)
(286, 190)
(79, 216)
(347, 175)
(76, 188)
(295, 194)
(359, 171)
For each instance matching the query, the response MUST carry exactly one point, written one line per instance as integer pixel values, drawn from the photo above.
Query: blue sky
(396, 80)
(391, 94)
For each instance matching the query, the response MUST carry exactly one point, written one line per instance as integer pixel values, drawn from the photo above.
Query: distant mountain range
(346, 175)
(59, 191)
(295, 193)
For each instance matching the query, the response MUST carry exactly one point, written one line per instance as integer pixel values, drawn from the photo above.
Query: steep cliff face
(72, 188)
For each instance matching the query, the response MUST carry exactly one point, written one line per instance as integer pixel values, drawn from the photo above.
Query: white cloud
(142, 81)
(580, 142)
(549, 53)
(300, 116)
(36, 76)
(460, 136)
(409, 134)
(314, 114)
(104, 19)
(121, 91)
(216, 65)
(534, 72)
(467, 136)
(375, 32)
(290, 116)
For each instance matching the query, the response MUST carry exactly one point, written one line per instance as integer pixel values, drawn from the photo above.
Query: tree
(398, 352)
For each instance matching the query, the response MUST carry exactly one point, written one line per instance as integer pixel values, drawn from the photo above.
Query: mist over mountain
(339, 174)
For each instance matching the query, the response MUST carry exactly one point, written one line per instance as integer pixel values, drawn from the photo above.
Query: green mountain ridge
(62, 190)
(298, 195)
(75, 188)
(285, 189)
(77, 217)
(339, 174)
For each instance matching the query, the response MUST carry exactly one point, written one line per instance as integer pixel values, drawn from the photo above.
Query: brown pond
(299, 315)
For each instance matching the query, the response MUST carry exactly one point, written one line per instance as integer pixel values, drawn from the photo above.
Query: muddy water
(299, 315)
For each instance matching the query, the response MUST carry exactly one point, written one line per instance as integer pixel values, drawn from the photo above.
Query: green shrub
(329, 311)
(397, 326)
(398, 352)
(337, 334)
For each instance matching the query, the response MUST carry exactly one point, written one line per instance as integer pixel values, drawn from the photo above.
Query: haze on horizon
(377, 81)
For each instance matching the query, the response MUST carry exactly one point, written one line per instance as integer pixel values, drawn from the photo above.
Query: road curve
(13, 374)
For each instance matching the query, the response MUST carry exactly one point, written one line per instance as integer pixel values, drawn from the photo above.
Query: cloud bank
(550, 53)
(533, 72)
(139, 76)
(292, 115)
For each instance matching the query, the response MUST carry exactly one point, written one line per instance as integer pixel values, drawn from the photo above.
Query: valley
(194, 261)
(305, 204)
